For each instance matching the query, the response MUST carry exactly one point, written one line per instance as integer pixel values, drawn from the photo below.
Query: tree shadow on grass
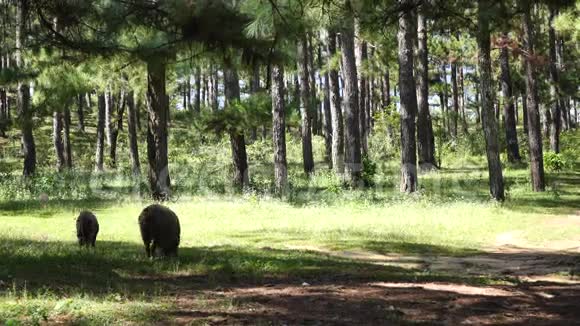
(54, 207)
(265, 285)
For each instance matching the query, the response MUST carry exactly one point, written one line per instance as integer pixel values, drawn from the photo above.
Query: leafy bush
(369, 171)
(554, 162)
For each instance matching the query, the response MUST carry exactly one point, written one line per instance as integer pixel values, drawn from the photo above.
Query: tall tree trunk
(279, 130)
(100, 132)
(57, 139)
(361, 54)
(447, 116)
(534, 129)
(157, 152)
(455, 91)
(490, 124)
(81, 112)
(25, 113)
(555, 107)
(109, 103)
(132, 134)
(116, 126)
(352, 150)
(214, 81)
(408, 100)
(425, 137)
(387, 88)
(326, 116)
(509, 112)
(237, 140)
(197, 97)
(464, 125)
(335, 110)
(66, 119)
(305, 106)
(525, 113)
(255, 88)
(316, 122)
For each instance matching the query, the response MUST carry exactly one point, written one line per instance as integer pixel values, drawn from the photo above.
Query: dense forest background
(149, 86)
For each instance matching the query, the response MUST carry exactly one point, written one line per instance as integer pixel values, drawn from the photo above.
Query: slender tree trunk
(361, 58)
(464, 125)
(387, 89)
(316, 122)
(534, 129)
(509, 112)
(352, 149)
(408, 101)
(157, 152)
(66, 136)
(214, 88)
(237, 140)
(490, 125)
(132, 134)
(197, 97)
(255, 88)
(555, 106)
(100, 133)
(425, 138)
(335, 110)
(455, 91)
(525, 113)
(447, 116)
(25, 113)
(305, 106)
(109, 116)
(81, 112)
(57, 139)
(116, 126)
(279, 130)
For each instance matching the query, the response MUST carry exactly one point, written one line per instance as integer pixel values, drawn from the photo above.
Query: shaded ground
(541, 288)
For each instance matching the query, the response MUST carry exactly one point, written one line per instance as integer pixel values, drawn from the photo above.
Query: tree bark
(352, 150)
(425, 137)
(81, 112)
(555, 105)
(57, 139)
(197, 97)
(237, 140)
(534, 130)
(132, 134)
(316, 122)
(66, 119)
(305, 106)
(361, 58)
(109, 103)
(335, 110)
(490, 124)
(100, 133)
(25, 113)
(115, 127)
(525, 113)
(157, 152)
(279, 130)
(326, 115)
(408, 96)
(214, 88)
(455, 93)
(509, 112)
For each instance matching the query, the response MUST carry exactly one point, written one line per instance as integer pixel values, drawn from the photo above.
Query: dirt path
(546, 291)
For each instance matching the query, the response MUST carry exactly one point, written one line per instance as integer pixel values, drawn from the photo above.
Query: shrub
(554, 162)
